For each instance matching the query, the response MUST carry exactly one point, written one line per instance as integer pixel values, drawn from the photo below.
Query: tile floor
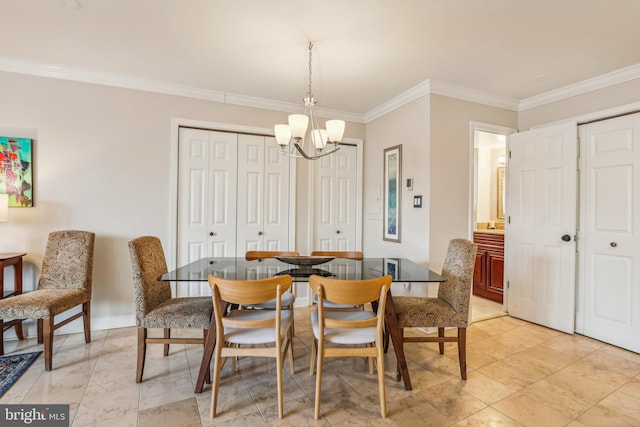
(519, 374)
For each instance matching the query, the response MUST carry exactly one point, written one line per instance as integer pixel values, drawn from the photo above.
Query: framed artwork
(392, 191)
(16, 171)
(391, 267)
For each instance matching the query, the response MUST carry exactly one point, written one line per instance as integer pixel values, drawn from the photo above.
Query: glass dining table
(400, 269)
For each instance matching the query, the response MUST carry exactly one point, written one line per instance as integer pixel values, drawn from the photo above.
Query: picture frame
(16, 170)
(392, 193)
(391, 267)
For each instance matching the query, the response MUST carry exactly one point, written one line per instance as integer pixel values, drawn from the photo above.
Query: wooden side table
(6, 260)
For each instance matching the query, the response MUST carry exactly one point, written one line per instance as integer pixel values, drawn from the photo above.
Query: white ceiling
(366, 53)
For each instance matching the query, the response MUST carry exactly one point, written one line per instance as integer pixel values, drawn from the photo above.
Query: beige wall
(449, 164)
(409, 126)
(101, 163)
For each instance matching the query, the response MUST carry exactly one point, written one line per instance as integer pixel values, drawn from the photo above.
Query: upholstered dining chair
(155, 307)
(347, 331)
(249, 332)
(64, 283)
(357, 255)
(450, 309)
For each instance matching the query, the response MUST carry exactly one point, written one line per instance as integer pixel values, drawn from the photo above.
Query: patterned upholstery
(451, 307)
(155, 308)
(65, 279)
(65, 282)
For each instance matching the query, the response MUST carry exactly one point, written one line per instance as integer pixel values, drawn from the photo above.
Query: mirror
(501, 187)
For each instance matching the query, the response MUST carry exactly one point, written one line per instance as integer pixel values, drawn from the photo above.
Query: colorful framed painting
(16, 171)
(392, 189)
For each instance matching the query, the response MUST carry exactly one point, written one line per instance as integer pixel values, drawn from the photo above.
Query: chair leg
(292, 369)
(167, 335)
(217, 367)
(314, 352)
(39, 329)
(316, 411)
(279, 363)
(462, 351)
(398, 370)
(370, 359)
(205, 333)
(86, 318)
(381, 387)
(47, 333)
(441, 343)
(142, 352)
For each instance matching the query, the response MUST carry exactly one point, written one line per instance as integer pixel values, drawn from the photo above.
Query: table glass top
(400, 269)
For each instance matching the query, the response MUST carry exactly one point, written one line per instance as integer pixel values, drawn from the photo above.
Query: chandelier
(291, 137)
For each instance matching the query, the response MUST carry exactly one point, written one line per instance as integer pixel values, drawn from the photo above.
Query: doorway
(487, 217)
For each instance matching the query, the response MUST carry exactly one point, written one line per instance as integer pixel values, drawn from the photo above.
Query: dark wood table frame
(400, 269)
(15, 260)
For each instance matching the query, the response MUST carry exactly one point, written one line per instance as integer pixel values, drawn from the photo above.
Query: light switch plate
(417, 201)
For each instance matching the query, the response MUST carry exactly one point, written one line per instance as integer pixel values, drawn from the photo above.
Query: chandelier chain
(309, 93)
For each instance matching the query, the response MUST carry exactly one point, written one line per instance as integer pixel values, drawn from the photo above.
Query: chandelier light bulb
(298, 124)
(283, 135)
(335, 130)
(319, 138)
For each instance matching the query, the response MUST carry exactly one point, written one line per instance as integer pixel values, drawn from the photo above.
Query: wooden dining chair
(155, 308)
(450, 309)
(348, 331)
(65, 283)
(331, 305)
(289, 298)
(248, 332)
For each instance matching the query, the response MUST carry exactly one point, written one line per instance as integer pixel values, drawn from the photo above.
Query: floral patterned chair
(450, 309)
(155, 308)
(65, 282)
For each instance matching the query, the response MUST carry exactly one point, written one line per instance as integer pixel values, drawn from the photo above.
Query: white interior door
(250, 193)
(541, 206)
(610, 240)
(335, 200)
(263, 195)
(206, 196)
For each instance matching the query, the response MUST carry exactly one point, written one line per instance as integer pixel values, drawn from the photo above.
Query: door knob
(338, 232)
(613, 244)
(259, 233)
(566, 238)
(211, 233)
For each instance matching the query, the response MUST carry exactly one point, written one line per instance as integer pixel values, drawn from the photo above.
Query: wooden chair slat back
(247, 292)
(251, 255)
(340, 254)
(350, 291)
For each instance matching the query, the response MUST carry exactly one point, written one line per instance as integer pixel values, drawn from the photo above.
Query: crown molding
(619, 76)
(155, 86)
(422, 89)
(441, 88)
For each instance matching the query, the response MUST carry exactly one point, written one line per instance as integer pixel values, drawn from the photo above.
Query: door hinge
(509, 219)
(509, 154)
(507, 284)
